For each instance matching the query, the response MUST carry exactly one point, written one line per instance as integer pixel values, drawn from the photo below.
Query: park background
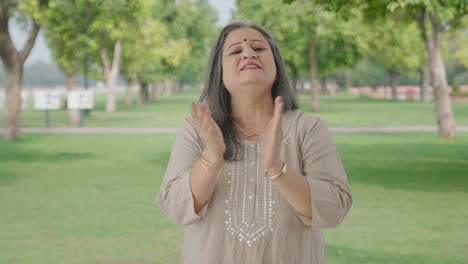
(84, 192)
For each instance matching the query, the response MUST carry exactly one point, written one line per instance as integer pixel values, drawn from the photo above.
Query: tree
(65, 30)
(190, 24)
(151, 49)
(110, 22)
(434, 17)
(195, 21)
(30, 12)
(395, 47)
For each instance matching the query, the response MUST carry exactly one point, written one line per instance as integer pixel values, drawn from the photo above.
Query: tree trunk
(424, 82)
(111, 72)
(144, 93)
(168, 87)
(293, 83)
(13, 61)
(394, 80)
(73, 114)
(156, 92)
(347, 82)
(129, 91)
(333, 87)
(294, 77)
(12, 110)
(301, 85)
(323, 86)
(443, 105)
(128, 95)
(314, 82)
(177, 87)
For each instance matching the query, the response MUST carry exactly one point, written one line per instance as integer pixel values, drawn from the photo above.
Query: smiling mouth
(250, 67)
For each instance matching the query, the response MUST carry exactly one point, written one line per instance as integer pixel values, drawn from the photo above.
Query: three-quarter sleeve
(175, 196)
(330, 193)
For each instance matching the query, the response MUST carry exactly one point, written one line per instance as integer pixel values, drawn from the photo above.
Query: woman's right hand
(209, 132)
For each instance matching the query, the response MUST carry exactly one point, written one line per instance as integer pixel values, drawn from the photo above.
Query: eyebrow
(241, 42)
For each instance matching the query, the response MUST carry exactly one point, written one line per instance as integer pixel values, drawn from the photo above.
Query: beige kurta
(247, 220)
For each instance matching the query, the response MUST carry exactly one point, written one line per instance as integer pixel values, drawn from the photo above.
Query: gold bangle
(209, 166)
(279, 174)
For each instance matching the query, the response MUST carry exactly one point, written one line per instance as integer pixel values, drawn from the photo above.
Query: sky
(42, 52)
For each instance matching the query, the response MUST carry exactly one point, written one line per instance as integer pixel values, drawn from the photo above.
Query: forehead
(238, 35)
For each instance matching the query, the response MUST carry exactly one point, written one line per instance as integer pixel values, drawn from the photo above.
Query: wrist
(279, 175)
(274, 168)
(213, 156)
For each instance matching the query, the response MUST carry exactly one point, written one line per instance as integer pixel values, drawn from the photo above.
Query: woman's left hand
(271, 139)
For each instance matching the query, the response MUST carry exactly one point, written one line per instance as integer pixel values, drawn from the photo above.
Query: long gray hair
(217, 98)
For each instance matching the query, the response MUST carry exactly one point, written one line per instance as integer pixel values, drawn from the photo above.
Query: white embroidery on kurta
(250, 205)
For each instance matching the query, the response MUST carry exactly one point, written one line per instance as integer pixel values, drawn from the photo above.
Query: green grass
(90, 199)
(344, 110)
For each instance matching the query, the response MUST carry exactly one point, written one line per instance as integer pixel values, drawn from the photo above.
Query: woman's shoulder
(302, 119)
(307, 123)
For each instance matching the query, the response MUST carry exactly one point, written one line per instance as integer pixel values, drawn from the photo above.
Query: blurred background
(92, 93)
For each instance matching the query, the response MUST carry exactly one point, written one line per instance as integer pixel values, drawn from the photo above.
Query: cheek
(272, 67)
(227, 74)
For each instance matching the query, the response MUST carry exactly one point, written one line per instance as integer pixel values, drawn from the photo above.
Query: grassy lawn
(342, 110)
(65, 200)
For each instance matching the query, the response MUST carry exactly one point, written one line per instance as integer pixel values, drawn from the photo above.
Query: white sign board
(24, 100)
(80, 99)
(47, 100)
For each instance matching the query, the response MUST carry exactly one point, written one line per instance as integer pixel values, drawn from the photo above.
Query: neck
(252, 113)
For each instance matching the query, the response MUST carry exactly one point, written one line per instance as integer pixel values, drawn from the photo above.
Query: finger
(194, 110)
(194, 113)
(279, 106)
(197, 115)
(204, 110)
(209, 121)
(204, 114)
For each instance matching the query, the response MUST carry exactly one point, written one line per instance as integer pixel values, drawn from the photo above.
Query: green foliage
(65, 32)
(198, 23)
(458, 40)
(395, 46)
(171, 40)
(445, 12)
(365, 73)
(148, 45)
(193, 25)
(34, 9)
(79, 25)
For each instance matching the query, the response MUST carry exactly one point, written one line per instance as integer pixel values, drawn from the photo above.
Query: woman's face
(248, 63)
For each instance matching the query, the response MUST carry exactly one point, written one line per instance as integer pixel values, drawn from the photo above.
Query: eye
(235, 52)
(259, 49)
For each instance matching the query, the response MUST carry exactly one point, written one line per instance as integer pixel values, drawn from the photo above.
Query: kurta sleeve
(175, 197)
(331, 196)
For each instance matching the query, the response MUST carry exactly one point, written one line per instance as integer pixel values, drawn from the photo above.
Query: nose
(249, 53)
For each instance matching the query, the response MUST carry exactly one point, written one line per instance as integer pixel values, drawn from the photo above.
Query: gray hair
(217, 98)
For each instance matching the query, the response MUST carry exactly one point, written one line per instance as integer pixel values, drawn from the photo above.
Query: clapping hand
(271, 139)
(209, 132)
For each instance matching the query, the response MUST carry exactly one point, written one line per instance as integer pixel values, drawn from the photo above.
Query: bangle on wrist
(280, 174)
(208, 165)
